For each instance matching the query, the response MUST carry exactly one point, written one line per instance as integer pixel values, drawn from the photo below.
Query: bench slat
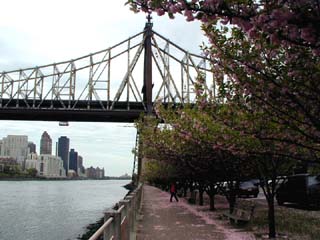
(241, 212)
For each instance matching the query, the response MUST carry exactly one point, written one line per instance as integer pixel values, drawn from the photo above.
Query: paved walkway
(165, 220)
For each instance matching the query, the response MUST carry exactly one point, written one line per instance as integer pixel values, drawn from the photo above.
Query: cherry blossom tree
(288, 22)
(266, 56)
(270, 52)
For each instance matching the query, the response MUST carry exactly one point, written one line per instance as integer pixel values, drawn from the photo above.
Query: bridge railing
(120, 221)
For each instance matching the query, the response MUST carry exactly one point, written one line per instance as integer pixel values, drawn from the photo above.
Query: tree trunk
(271, 218)
(232, 201)
(185, 190)
(191, 188)
(201, 196)
(231, 194)
(211, 197)
(269, 192)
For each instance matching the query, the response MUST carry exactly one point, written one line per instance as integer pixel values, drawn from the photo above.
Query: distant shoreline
(57, 179)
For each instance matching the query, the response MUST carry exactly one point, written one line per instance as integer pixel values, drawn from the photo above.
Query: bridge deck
(83, 111)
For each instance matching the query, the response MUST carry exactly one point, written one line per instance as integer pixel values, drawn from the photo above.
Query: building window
(41, 167)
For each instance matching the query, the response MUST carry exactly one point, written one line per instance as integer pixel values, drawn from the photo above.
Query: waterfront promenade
(162, 220)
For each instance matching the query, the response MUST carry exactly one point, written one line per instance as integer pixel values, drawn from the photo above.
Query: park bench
(242, 212)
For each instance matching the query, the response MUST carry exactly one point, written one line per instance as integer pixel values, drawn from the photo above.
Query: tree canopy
(266, 60)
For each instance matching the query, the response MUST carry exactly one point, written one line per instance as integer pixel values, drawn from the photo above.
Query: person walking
(173, 191)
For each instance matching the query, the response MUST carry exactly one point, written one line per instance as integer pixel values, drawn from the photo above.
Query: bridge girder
(90, 86)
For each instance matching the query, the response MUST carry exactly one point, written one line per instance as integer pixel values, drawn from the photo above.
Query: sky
(39, 32)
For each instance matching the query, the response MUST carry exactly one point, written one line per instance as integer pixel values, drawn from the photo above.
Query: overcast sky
(39, 32)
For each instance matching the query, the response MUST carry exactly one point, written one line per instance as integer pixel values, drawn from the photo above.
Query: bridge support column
(147, 76)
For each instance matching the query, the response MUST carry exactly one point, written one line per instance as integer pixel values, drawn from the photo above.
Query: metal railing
(120, 221)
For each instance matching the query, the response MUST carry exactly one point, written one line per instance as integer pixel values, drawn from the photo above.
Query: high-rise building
(47, 165)
(15, 146)
(73, 160)
(96, 173)
(81, 169)
(45, 144)
(32, 147)
(1, 147)
(63, 151)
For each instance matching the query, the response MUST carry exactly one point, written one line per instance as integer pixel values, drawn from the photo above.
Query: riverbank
(8, 177)
(21, 178)
(91, 229)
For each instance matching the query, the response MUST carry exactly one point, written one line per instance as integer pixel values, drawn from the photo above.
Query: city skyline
(79, 142)
(18, 156)
(74, 32)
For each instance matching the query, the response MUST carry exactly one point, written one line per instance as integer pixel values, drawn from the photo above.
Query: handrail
(76, 59)
(100, 231)
(120, 209)
(120, 223)
(102, 51)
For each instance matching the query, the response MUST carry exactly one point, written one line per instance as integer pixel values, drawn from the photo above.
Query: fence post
(126, 212)
(116, 225)
(107, 233)
(139, 198)
(132, 216)
(134, 211)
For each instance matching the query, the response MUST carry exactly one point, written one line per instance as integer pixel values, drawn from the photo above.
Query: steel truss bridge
(113, 85)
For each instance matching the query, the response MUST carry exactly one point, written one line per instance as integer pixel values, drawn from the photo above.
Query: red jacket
(173, 188)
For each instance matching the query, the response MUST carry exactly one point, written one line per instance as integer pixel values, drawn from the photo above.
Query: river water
(54, 210)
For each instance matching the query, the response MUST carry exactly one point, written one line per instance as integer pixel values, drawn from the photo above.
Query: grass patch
(296, 224)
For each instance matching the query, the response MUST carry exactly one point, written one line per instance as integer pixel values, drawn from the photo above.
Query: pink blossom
(174, 8)
(316, 51)
(307, 35)
(285, 90)
(246, 25)
(160, 11)
(204, 19)
(225, 21)
(262, 18)
(274, 39)
(189, 15)
(291, 73)
(293, 32)
(274, 24)
(252, 33)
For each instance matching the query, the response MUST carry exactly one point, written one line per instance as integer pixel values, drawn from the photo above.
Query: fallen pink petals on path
(162, 219)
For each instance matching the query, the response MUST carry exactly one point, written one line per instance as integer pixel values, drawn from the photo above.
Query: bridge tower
(146, 91)
(147, 76)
